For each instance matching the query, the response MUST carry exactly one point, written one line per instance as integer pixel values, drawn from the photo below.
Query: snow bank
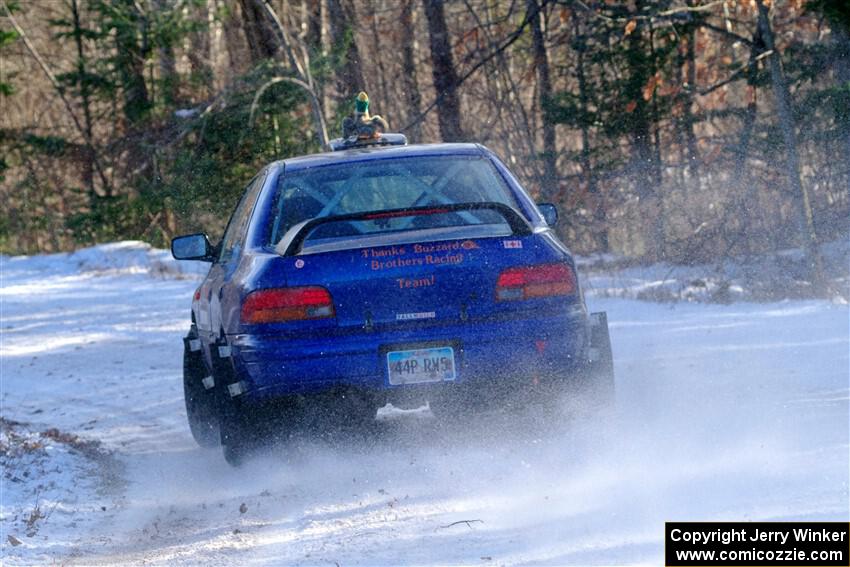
(766, 277)
(127, 257)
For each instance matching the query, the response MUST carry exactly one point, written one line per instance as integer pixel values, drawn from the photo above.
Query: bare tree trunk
(659, 226)
(234, 40)
(349, 72)
(132, 52)
(600, 210)
(410, 85)
(782, 95)
(645, 169)
(379, 60)
(541, 62)
(316, 36)
(639, 66)
(687, 122)
(85, 96)
(842, 75)
(200, 52)
(169, 77)
(313, 35)
(263, 42)
(740, 173)
(444, 72)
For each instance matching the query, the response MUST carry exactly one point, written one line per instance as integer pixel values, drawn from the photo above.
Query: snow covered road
(733, 412)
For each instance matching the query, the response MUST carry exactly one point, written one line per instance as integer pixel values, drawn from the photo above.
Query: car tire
(200, 402)
(238, 435)
(235, 455)
(237, 429)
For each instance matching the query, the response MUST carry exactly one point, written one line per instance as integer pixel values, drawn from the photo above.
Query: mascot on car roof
(361, 125)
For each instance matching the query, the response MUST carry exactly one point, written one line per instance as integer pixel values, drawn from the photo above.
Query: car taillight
(287, 304)
(543, 280)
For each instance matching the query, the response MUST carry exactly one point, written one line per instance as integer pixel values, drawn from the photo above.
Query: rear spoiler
(293, 241)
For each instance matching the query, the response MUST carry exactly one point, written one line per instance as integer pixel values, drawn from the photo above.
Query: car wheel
(200, 402)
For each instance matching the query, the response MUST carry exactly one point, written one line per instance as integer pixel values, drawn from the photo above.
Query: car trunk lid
(420, 283)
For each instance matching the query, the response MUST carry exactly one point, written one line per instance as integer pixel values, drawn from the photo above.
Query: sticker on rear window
(512, 243)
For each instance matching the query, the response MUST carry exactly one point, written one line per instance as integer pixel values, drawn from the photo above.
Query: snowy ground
(735, 412)
(758, 278)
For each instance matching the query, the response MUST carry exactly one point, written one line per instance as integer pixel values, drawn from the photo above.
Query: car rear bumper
(486, 353)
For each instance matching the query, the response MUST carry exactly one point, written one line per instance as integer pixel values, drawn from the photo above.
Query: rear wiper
(293, 241)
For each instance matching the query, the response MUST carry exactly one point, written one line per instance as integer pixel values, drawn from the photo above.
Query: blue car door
(221, 276)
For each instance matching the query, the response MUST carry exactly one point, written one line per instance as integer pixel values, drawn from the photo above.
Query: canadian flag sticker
(512, 243)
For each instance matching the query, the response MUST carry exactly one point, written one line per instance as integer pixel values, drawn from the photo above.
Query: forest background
(686, 131)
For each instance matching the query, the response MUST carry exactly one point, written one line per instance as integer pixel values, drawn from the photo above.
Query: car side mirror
(192, 247)
(549, 212)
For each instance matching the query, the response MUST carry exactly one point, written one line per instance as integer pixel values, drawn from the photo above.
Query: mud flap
(236, 432)
(600, 365)
(200, 400)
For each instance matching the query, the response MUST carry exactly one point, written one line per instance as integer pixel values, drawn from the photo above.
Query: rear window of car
(381, 185)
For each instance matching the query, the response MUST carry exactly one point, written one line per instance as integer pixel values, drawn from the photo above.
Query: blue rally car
(384, 272)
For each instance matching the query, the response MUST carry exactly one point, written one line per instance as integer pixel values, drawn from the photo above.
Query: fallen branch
(467, 522)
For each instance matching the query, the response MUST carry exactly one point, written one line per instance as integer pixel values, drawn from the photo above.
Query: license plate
(421, 365)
